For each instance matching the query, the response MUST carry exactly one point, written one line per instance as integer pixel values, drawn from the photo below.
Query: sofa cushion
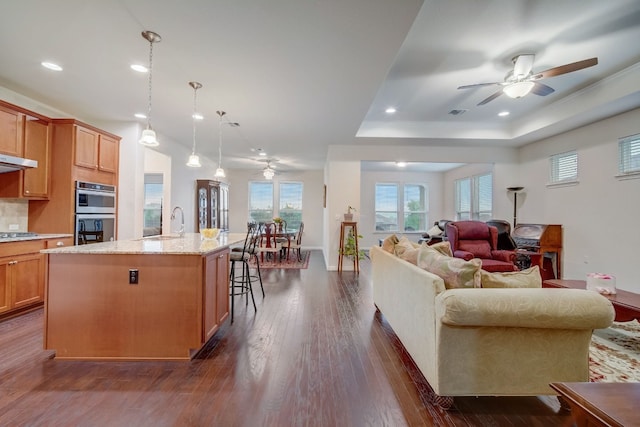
(529, 278)
(456, 272)
(389, 243)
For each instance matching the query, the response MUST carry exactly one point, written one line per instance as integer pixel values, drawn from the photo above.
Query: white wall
(312, 191)
(600, 214)
(367, 226)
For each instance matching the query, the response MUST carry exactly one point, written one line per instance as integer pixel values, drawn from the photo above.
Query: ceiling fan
(521, 80)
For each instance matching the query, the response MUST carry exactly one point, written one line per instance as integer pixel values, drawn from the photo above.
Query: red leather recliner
(476, 239)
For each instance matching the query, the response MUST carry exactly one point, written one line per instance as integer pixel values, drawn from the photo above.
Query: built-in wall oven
(95, 214)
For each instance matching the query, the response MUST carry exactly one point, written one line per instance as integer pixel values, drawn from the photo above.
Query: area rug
(614, 354)
(290, 263)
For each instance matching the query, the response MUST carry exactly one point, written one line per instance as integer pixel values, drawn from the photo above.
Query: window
(386, 207)
(563, 168)
(152, 210)
(415, 207)
(291, 204)
(260, 201)
(629, 155)
(474, 198)
(412, 208)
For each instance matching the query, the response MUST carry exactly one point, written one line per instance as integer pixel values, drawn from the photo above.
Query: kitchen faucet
(173, 216)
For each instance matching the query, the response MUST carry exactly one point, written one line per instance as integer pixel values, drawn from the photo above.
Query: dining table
(282, 236)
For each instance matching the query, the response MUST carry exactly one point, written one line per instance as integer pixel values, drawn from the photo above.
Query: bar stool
(253, 252)
(242, 285)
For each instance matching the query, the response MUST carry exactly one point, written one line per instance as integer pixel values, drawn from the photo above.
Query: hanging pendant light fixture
(268, 172)
(194, 160)
(220, 172)
(148, 135)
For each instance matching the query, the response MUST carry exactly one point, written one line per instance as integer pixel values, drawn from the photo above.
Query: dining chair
(296, 244)
(242, 285)
(268, 242)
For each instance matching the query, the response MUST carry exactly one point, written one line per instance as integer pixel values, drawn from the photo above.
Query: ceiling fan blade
(523, 65)
(479, 85)
(542, 89)
(567, 68)
(491, 98)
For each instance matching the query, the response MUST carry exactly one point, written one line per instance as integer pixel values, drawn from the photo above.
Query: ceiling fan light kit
(518, 89)
(148, 137)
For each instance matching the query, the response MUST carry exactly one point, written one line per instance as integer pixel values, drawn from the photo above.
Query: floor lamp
(515, 191)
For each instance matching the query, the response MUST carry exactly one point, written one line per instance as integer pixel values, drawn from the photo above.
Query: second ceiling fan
(521, 80)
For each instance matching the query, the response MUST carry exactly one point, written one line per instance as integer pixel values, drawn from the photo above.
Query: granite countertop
(189, 244)
(35, 237)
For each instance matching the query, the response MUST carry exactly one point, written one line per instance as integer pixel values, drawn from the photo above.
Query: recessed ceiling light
(198, 116)
(140, 115)
(51, 66)
(390, 110)
(262, 153)
(401, 164)
(503, 113)
(139, 68)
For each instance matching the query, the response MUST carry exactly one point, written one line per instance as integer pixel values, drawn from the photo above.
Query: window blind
(564, 167)
(629, 154)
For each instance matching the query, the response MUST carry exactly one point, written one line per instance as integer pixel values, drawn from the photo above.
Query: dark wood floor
(315, 354)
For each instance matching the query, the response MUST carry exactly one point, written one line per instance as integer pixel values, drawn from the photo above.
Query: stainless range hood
(10, 163)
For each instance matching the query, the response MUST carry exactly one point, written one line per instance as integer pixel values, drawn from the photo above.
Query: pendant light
(220, 172)
(148, 135)
(194, 160)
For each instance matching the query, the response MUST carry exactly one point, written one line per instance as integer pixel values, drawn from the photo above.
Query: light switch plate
(14, 227)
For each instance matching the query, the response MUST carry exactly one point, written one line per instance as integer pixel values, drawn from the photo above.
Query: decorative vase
(348, 217)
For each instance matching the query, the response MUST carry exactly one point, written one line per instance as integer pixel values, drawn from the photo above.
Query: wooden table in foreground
(602, 404)
(626, 304)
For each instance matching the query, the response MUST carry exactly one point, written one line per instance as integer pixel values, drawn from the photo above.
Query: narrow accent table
(602, 404)
(354, 230)
(626, 304)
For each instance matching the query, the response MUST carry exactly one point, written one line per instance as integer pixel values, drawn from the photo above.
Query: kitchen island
(159, 297)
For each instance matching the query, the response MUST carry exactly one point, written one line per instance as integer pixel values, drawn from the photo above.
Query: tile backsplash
(14, 212)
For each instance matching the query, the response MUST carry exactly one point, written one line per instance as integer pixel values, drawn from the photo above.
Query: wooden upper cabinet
(11, 122)
(108, 154)
(34, 133)
(86, 148)
(37, 146)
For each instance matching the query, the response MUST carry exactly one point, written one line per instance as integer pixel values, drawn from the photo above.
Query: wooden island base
(92, 311)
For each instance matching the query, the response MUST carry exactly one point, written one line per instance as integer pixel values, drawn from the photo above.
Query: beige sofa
(479, 342)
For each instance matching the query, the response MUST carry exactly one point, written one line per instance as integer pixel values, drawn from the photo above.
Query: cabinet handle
(60, 244)
(13, 262)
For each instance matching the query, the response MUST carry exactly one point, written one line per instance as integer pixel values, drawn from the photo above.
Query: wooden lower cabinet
(178, 303)
(21, 276)
(216, 293)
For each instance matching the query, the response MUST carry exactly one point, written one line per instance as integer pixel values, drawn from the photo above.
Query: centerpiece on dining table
(279, 223)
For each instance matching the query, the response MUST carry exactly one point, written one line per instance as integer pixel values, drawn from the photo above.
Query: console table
(601, 404)
(626, 304)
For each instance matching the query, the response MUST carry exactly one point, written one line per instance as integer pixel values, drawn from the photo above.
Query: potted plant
(278, 222)
(348, 217)
(349, 248)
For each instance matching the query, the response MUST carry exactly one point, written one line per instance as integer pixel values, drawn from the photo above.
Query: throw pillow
(389, 243)
(443, 247)
(434, 231)
(529, 278)
(456, 272)
(406, 250)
